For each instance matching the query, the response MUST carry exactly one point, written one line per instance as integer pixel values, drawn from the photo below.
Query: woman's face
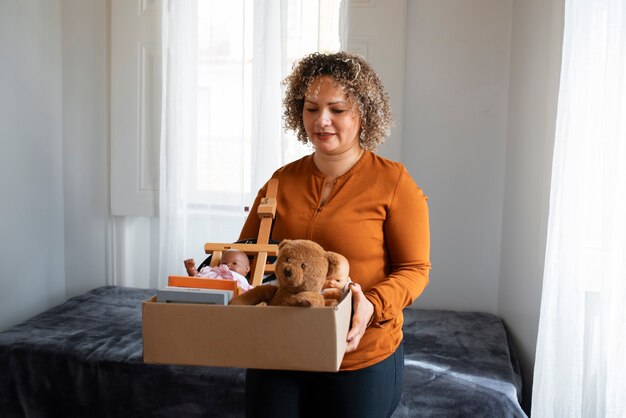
(331, 120)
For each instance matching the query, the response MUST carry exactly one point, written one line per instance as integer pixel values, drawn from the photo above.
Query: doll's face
(236, 261)
(335, 281)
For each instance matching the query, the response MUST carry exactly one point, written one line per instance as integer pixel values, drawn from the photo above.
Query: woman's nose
(324, 119)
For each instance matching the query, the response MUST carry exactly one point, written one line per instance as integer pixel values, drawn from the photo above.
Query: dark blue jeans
(370, 392)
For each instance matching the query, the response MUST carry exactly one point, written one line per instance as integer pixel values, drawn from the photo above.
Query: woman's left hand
(362, 313)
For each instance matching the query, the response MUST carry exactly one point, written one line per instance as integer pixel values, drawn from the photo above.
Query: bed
(83, 358)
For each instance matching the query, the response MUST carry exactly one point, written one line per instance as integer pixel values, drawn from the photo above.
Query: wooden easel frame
(262, 249)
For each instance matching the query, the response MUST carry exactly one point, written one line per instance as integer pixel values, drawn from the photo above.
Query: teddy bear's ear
(282, 243)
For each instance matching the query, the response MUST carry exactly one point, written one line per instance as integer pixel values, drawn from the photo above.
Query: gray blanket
(458, 364)
(83, 358)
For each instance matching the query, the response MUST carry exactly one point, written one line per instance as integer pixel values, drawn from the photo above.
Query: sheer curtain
(580, 369)
(221, 136)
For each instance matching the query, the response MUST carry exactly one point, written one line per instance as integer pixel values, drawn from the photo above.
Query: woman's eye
(311, 110)
(338, 110)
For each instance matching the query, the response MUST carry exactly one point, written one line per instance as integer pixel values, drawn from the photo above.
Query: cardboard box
(262, 337)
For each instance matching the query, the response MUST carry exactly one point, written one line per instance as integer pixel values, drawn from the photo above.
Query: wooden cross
(262, 249)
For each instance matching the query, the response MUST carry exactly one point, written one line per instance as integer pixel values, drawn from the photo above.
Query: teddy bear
(302, 268)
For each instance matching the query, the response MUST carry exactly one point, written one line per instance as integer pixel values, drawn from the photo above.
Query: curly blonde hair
(360, 84)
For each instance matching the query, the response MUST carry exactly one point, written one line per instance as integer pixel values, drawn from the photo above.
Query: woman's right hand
(363, 311)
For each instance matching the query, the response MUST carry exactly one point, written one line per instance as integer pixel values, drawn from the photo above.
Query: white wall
(480, 109)
(374, 26)
(32, 274)
(535, 69)
(454, 142)
(85, 142)
(54, 155)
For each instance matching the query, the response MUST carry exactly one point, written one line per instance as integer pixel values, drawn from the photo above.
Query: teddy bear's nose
(287, 272)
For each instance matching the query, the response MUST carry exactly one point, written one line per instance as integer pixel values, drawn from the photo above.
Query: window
(221, 161)
(223, 133)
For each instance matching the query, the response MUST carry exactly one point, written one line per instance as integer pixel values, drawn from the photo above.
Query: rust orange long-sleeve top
(377, 217)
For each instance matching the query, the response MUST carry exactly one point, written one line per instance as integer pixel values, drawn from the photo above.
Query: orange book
(203, 283)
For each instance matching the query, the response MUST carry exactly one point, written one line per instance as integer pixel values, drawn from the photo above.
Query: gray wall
(32, 254)
(85, 143)
(480, 108)
(456, 93)
(533, 93)
(54, 159)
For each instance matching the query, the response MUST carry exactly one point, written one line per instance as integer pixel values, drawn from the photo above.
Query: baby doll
(234, 265)
(334, 285)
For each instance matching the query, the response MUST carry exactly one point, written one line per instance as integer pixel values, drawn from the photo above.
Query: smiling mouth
(325, 135)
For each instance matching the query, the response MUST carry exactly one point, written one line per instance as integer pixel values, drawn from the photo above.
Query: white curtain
(177, 127)
(222, 136)
(580, 368)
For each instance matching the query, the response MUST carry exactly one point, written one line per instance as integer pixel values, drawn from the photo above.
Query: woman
(367, 208)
